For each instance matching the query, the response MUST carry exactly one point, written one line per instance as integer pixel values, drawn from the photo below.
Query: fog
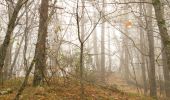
(96, 41)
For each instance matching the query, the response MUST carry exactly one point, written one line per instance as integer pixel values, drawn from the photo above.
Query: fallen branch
(22, 87)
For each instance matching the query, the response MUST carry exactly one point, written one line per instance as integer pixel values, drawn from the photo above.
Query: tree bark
(40, 51)
(152, 76)
(109, 56)
(126, 58)
(8, 58)
(165, 38)
(103, 47)
(166, 72)
(81, 70)
(95, 44)
(82, 51)
(26, 40)
(142, 47)
(23, 85)
(6, 42)
(15, 57)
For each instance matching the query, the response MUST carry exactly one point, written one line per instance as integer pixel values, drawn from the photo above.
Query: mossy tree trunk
(165, 38)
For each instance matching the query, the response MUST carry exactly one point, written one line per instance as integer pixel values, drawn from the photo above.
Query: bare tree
(95, 44)
(103, 45)
(142, 47)
(165, 38)
(40, 51)
(11, 26)
(109, 54)
(9, 51)
(151, 74)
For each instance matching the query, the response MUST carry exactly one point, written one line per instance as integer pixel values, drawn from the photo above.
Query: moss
(111, 98)
(156, 2)
(133, 94)
(162, 22)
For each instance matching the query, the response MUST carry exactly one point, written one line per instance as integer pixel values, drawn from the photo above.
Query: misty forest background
(84, 49)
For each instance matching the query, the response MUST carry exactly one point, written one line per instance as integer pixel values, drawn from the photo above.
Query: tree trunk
(95, 45)
(9, 50)
(165, 38)
(82, 51)
(126, 71)
(166, 73)
(152, 78)
(23, 85)
(103, 46)
(6, 42)
(163, 29)
(142, 47)
(26, 40)
(165, 70)
(40, 51)
(126, 58)
(15, 57)
(109, 56)
(81, 70)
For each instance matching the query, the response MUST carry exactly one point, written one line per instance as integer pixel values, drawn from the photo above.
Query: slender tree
(103, 45)
(142, 47)
(9, 50)
(95, 49)
(109, 54)
(152, 75)
(10, 28)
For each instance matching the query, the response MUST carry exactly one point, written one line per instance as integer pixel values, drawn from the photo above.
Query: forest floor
(121, 84)
(67, 90)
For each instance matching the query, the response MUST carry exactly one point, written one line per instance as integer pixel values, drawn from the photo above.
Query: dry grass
(69, 91)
